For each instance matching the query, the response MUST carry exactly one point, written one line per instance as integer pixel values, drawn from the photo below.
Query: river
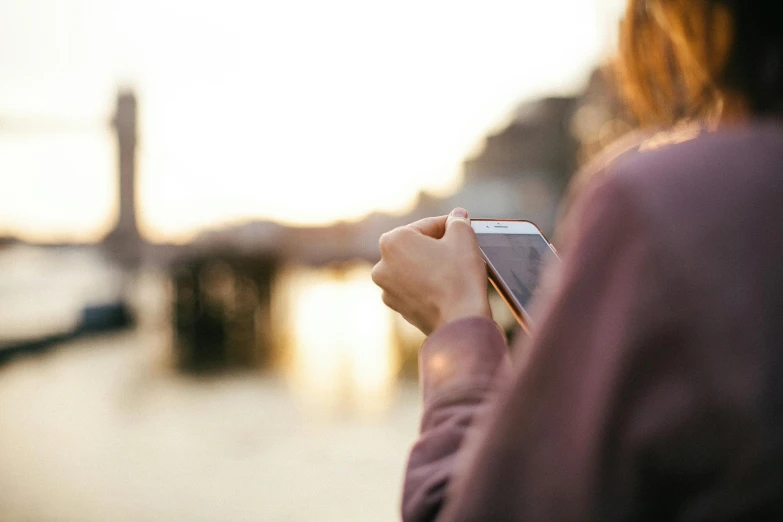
(104, 429)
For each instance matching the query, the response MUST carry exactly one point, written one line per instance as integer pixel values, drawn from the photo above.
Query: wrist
(462, 310)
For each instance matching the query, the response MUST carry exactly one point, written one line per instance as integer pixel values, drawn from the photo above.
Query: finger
(390, 301)
(383, 276)
(379, 274)
(433, 227)
(458, 223)
(390, 240)
(401, 241)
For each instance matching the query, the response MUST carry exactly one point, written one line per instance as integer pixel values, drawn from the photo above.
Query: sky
(303, 111)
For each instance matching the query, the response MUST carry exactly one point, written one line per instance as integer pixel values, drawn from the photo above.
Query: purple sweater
(653, 389)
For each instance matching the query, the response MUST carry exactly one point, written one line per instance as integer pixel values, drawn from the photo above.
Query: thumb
(458, 222)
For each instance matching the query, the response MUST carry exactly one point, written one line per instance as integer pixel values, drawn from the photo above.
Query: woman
(654, 385)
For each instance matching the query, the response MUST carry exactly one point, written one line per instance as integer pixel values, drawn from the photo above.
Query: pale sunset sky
(302, 111)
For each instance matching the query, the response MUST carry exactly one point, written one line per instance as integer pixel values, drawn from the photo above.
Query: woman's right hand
(432, 271)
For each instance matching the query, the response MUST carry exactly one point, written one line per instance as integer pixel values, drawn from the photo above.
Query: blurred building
(601, 118)
(124, 242)
(522, 169)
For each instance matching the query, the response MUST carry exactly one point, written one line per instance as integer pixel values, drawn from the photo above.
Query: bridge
(222, 279)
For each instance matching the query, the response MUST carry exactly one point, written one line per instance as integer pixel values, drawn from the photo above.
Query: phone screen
(518, 260)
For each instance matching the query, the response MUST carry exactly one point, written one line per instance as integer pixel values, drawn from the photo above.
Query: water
(103, 429)
(44, 290)
(95, 432)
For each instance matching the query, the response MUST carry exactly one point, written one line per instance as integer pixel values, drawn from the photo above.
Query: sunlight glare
(342, 340)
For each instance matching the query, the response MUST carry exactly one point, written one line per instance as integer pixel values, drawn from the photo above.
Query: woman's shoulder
(680, 172)
(686, 149)
(694, 161)
(634, 146)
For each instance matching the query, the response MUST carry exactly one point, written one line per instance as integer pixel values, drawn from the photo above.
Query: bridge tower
(124, 242)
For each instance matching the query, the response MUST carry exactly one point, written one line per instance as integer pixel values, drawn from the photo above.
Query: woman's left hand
(432, 271)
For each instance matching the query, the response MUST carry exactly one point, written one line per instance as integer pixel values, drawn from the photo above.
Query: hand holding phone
(515, 252)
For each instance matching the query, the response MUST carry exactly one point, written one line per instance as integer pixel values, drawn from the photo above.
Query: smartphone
(516, 252)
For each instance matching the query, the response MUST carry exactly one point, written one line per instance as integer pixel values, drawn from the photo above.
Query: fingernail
(459, 212)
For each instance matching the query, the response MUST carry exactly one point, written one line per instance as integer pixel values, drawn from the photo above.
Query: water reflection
(338, 346)
(342, 352)
(124, 436)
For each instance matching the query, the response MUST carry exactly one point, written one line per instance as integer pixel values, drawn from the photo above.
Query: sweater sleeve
(459, 366)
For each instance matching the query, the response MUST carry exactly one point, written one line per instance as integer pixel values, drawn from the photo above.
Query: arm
(560, 442)
(459, 365)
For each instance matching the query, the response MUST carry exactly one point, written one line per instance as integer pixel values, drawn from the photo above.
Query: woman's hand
(432, 272)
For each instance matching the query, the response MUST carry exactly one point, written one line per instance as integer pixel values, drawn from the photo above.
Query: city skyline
(301, 124)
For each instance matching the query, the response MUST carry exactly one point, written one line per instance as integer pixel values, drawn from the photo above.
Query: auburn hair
(701, 59)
